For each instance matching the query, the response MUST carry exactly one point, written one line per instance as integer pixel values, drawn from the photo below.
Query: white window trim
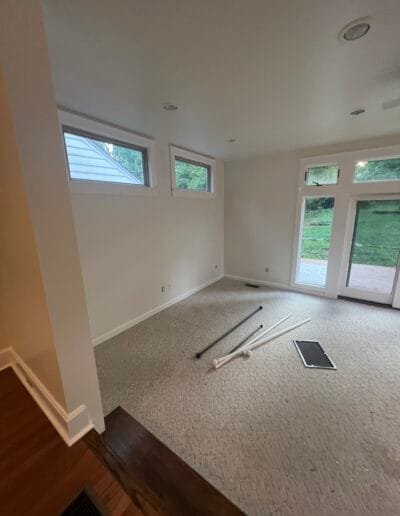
(375, 157)
(324, 164)
(298, 239)
(343, 288)
(84, 123)
(178, 152)
(343, 192)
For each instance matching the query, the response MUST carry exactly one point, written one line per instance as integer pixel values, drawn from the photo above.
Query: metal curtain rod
(200, 353)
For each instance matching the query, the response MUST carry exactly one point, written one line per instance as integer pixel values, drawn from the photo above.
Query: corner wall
(41, 225)
(131, 245)
(23, 307)
(260, 206)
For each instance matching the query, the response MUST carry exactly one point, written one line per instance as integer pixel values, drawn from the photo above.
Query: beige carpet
(273, 436)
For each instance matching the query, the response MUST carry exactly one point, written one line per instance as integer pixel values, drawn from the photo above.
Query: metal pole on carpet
(246, 339)
(219, 362)
(200, 353)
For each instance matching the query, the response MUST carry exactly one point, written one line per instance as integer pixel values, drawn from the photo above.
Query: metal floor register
(313, 355)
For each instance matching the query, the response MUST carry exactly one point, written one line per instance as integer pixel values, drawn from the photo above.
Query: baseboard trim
(71, 426)
(258, 282)
(6, 358)
(129, 324)
(280, 286)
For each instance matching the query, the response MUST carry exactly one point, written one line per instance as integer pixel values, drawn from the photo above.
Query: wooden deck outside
(375, 278)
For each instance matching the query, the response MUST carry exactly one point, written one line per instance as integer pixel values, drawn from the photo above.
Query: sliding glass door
(374, 250)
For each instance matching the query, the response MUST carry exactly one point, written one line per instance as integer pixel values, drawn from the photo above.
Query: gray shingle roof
(88, 161)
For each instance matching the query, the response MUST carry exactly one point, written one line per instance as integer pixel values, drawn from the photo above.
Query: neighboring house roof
(88, 161)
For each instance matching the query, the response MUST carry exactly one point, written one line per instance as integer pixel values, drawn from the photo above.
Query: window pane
(191, 176)
(379, 170)
(315, 241)
(323, 175)
(92, 159)
(376, 246)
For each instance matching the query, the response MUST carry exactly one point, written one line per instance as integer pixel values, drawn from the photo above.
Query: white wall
(260, 208)
(131, 245)
(32, 108)
(260, 205)
(23, 307)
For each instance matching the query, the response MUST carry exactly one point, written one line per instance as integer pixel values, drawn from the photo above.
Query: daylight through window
(377, 170)
(315, 241)
(190, 175)
(322, 175)
(95, 158)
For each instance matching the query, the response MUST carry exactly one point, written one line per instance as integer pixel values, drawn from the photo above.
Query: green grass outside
(377, 239)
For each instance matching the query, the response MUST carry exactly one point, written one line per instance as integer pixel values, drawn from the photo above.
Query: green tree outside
(190, 176)
(377, 236)
(379, 170)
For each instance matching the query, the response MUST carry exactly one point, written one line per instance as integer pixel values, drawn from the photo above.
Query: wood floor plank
(40, 475)
(135, 489)
(147, 466)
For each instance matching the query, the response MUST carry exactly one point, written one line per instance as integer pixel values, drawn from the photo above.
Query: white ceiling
(270, 73)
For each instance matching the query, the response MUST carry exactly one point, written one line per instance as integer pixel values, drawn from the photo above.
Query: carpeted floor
(273, 436)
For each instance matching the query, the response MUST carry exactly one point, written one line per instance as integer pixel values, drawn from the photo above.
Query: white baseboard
(125, 326)
(71, 426)
(280, 286)
(6, 358)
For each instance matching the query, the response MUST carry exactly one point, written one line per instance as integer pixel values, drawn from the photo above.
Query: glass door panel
(374, 256)
(315, 241)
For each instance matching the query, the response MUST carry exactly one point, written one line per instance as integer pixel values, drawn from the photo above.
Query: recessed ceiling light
(357, 112)
(231, 140)
(170, 107)
(355, 29)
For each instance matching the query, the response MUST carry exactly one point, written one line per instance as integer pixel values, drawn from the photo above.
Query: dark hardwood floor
(149, 470)
(126, 470)
(39, 474)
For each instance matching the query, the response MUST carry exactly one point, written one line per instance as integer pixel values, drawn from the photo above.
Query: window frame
(313, 287)
(375, 181)
(343, 192)
(119, 143)
(343, 288)
(194, 158)
(317, 165)
(197, 164)
(82, 125)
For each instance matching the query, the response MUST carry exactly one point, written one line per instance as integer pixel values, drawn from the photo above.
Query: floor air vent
(81, 506)
(313, 355)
